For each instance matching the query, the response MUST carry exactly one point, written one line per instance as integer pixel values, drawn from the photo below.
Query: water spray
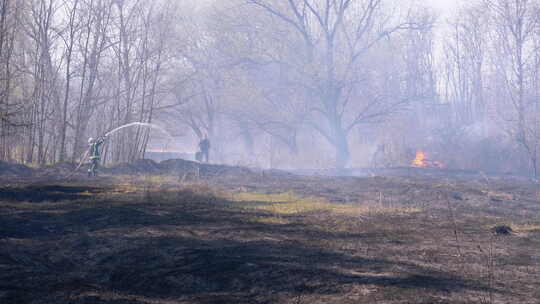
(142, 124)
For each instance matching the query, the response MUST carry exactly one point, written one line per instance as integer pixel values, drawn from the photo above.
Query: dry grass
(272, 220)
(499, 195)
(526, 227)
(290, 203)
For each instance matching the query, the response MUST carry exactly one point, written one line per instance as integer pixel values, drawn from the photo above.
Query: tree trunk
(342, 149)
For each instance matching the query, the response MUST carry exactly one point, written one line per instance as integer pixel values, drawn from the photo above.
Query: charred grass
(279, 239)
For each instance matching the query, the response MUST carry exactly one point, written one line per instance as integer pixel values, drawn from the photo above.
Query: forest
(273, 83)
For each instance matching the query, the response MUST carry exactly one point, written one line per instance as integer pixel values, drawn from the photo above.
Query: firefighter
(95, 154)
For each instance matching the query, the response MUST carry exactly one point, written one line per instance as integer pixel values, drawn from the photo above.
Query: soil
(175, 232)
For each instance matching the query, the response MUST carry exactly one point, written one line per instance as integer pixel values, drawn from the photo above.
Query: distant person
(204, 146)
(95, 154)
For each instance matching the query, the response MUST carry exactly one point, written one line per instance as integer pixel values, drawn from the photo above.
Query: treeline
(491, 77)
(273, 83)
(75, 69)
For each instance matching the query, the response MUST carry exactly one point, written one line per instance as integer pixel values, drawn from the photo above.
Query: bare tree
(514, 38)
(68, 35)
(10, 105)
(337, 35)
(92, 45)
(465, 65)
(40, 29)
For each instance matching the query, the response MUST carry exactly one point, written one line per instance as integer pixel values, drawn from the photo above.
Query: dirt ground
(268, 237)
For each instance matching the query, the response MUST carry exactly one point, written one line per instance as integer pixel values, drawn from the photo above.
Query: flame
(421, 161)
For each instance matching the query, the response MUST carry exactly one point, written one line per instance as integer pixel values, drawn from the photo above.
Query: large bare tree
(336, 36)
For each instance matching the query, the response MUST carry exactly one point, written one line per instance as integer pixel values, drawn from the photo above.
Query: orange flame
(421, 161)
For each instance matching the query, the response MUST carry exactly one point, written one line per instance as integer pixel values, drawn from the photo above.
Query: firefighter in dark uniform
(204, 146)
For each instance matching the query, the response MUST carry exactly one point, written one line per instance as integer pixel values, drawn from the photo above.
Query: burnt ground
(268, 237)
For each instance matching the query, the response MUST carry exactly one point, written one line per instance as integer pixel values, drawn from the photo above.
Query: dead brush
(488, 256)
(454, 223)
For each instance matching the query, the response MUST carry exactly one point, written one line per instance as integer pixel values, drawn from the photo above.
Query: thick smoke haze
(271, 83)
(444, 6)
